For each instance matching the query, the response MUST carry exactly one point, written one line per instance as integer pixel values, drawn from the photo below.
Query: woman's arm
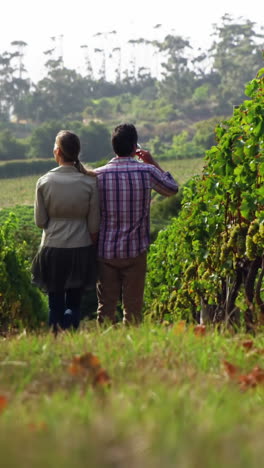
(40, 213)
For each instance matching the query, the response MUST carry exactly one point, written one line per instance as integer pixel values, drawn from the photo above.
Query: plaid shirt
(125, 192)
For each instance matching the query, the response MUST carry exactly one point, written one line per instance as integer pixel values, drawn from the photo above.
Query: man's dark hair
(124, 139)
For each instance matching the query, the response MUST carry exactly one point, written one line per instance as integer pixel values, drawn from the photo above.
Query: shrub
(21, 304)
(24, 168)
(26, 231)
(10, 147)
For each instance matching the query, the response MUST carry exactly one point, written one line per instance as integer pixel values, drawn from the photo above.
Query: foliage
(95, 139)
(205, 132)
(13, 86)
(183, 147)
(130, 108)
(25, 230)
(27, 167)
(162, 211)
(209, 262)
(186, 144)
(188, 88)
(178, 83)
(201, 94)
(237, 55)
(61, 92)
(211, 81)
(28, 234)
(10, 147)
(42, 140)
(95, 142)
(21, 304)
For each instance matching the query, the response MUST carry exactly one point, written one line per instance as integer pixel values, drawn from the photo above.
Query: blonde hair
(70, 147)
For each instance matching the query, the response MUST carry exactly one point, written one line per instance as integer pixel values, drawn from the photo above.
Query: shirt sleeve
(163, 182)
(40, 213)
(93, 218)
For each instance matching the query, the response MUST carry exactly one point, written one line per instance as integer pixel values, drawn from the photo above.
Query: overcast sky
(35, 22)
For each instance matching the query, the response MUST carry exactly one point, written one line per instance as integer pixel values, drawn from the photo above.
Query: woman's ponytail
(82, 169)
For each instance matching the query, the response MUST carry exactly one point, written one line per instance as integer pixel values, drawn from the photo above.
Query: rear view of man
(125, 186)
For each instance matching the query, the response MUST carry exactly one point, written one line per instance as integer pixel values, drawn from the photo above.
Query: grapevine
(208, 264)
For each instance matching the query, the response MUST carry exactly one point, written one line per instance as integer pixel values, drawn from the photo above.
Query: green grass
(183, 169)
(17, 191)
(21, 190)
(170, 403)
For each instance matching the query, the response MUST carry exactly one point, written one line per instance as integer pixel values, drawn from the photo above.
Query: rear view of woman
(67, 208)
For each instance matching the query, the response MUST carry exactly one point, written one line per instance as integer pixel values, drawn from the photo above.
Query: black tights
(59, 302)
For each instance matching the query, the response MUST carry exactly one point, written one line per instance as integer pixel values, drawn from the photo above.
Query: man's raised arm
(162, 181)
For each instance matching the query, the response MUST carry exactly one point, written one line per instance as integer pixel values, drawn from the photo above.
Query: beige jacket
(67, 207)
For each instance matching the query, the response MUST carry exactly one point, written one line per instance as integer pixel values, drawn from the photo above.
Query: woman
(67, 208)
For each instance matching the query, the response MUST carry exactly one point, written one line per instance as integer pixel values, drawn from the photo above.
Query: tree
(13, 87)
(63, 92)
(10, 147)
(237, 56)
(95, 142)
(6, 88)
(42, 140)
(178, 82)
(95, 139)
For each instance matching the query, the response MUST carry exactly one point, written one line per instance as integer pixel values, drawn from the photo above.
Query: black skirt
(55, 269)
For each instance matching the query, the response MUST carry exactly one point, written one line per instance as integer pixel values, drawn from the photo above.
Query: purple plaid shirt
(125, 191)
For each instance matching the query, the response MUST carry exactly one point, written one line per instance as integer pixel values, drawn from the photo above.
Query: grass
(170, 402)
(22, 190)
(183, 169)
(17, 191)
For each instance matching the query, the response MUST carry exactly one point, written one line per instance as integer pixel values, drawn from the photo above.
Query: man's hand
(145, 156)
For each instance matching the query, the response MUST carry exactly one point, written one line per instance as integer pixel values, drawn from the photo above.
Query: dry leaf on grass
(249, 347)
(247, 344)
(252, 379)
(88, 366)
(3, 403)
(200, 330)
(245, 381)
(230, 369)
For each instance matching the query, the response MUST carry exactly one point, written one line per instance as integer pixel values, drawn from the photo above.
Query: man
(125, 186)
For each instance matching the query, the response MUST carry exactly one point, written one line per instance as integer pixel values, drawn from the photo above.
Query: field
(153, 396)
(21, 190)
(148, 397)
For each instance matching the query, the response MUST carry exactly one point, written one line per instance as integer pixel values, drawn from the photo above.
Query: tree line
(175, 113)
(205, 84)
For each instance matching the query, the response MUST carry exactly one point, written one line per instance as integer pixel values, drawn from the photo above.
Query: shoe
(67, 318)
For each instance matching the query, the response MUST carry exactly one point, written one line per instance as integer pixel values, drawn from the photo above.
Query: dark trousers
(61, 301)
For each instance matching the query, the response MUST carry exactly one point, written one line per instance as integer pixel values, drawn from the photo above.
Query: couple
(103, 213)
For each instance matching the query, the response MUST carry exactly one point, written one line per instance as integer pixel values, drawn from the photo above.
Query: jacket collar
(64, 169)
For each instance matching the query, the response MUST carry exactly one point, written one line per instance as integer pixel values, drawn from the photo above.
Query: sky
(75, 23)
